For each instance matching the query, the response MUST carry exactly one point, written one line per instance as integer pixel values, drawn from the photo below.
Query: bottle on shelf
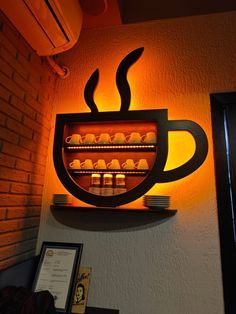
(107, 185)
(95, 184)
(120, 184)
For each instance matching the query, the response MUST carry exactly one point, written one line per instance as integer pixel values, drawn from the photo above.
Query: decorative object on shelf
(81, 291)
(106, 138)
(118, 138)
(75, 164)
(62, 199)
(147, 131)
(120, 184)
(100, 164)
(114, 164)
(156, 202)
(74, 139)
(57, 271)
(107, 185)
(95, 184)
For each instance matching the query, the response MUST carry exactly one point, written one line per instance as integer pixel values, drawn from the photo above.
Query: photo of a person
(80, 297)
(79, 293)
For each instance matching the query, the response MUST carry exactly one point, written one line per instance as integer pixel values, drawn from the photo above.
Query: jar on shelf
(95, 184)
(107, 185)
(120, 184)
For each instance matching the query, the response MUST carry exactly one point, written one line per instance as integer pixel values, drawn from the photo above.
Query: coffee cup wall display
(124, 133)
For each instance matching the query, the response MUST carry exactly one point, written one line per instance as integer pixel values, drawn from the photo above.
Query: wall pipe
(61, 71)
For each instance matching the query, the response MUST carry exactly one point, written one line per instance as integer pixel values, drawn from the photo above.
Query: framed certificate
(57, 272)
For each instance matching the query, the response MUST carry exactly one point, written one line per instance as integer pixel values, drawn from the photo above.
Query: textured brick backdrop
(26, 97)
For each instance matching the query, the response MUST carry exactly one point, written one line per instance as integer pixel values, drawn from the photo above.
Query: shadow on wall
(113, 221)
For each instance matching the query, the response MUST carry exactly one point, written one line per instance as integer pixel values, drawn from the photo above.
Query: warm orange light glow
(151, 90)
(181, 147)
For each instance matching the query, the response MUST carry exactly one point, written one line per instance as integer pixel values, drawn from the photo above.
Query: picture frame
(57, 272)
(80, 298)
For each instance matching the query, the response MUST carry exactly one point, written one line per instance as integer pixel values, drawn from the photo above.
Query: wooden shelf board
(116, 210)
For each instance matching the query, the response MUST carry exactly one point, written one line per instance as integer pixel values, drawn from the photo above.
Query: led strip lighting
(92, 147)
(105, 171)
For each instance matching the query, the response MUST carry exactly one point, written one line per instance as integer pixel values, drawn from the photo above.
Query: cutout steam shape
(121, 82)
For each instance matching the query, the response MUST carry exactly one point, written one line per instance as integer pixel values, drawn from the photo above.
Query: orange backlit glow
(181, 144)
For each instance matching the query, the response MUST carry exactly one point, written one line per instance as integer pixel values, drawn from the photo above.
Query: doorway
(223, 110)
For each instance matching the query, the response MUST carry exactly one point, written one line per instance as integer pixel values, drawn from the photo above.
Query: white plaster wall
(172, 267)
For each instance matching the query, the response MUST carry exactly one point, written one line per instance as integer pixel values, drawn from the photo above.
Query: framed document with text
(57, 272)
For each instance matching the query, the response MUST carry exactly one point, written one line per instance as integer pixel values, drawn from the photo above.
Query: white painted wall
(172, 267)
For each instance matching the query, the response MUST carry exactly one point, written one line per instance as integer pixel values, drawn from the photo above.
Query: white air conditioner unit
(49, 26)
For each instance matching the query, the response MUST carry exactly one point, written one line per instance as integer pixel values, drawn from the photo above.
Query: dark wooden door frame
(223, 110)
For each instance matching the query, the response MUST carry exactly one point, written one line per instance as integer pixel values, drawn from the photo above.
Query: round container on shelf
(107, 185)
(120, 184)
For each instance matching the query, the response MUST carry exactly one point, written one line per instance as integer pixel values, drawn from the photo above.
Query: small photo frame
(57, 272)
(80, 298)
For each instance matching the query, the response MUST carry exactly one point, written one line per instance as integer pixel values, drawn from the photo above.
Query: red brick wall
(26, 91)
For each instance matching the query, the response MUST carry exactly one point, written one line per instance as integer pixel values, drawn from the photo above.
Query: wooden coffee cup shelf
(141, 134)
(138, 181)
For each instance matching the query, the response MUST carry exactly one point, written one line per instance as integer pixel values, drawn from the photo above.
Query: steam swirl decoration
(121, 82)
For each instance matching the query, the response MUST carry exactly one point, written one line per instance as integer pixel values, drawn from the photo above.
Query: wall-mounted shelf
(125, 122)
(161, 213)
(94, 218)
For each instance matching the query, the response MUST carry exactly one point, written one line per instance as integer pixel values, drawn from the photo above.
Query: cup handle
(67, 140)
(196, 160)
(82, 139)
(112, 138)
(71, 164)
(143, 137)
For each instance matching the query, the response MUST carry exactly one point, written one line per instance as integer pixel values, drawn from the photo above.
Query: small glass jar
(120, 184)
(95, 184)
(107, 185)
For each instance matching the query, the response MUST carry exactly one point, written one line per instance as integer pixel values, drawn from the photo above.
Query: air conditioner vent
(49, 26)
